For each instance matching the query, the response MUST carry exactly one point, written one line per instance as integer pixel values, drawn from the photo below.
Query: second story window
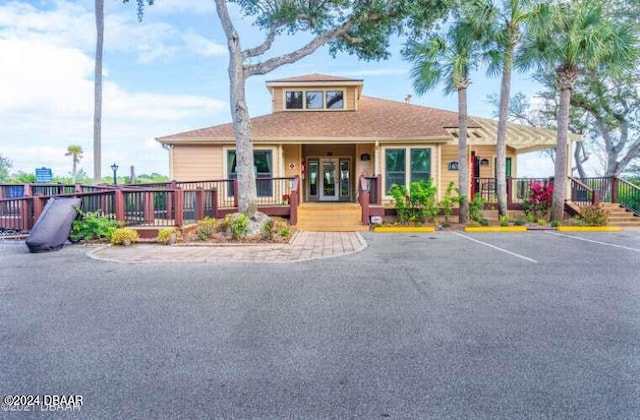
(335, 99)
(294, 99)
(314, 99)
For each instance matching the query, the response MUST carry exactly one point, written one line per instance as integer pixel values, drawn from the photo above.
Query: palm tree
(448, 60)
(577, 37)
(97, 88)
(506, 25)
(75, 152)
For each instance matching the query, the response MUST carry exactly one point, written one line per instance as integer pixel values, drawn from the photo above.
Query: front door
(329, 179)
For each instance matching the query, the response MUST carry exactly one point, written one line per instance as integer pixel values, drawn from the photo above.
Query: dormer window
(335, 99)
(294, 99)
(314, 99)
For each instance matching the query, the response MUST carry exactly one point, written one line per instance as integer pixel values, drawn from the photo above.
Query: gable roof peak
(314, 77)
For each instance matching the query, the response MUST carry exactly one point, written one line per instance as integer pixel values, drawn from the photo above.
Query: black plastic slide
(54, 225)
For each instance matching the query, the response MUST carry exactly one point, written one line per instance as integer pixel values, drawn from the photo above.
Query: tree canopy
(577, 38)
(5, 165)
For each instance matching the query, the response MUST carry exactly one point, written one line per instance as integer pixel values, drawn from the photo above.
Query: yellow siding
(192, 163)
(336, 150)
(278, 99)
(292, 154)
(364, 167)
(449, 154)
(489, 152)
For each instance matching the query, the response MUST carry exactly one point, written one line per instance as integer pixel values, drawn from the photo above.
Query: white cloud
(182, 6)
(203, 46)
(72, 24)
(46, 80)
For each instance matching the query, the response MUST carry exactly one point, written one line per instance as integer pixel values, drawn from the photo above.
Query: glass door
(328, 180)
(313, 176)
(345, 182)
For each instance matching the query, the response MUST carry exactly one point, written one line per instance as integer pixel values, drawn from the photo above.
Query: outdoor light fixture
(114, 168)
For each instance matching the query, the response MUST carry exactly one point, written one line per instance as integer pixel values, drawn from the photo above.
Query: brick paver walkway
(306, 246)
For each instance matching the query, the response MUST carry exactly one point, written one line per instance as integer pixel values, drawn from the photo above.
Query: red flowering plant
(536, 206)
(285, 198)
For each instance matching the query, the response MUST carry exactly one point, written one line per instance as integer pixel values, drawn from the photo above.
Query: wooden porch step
(330, 217)
(620, 216)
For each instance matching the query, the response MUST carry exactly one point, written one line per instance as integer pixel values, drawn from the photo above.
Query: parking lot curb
(403, 229)
(589, 229)
(495, 229)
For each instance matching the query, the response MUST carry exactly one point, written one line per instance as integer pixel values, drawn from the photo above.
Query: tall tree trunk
(579, 155)
(501, 143)
(463, 158)
(74, 169)
(560, 180)
(247, 194)
(97, 87)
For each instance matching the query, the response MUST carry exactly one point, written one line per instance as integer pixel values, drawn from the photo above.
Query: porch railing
(628, 195)
(167, 204)
(583, 195)
(517, 190)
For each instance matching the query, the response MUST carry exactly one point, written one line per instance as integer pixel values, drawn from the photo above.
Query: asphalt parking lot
(436, 325)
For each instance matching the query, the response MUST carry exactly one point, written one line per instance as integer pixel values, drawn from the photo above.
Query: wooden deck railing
(518, 190)
(628, 195)
(158, 205)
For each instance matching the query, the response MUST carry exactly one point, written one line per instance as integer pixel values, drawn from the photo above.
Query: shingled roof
(375, 119)
(314, 77)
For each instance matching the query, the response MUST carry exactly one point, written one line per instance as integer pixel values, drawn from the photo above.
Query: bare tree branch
(264, 47)
(273, 63)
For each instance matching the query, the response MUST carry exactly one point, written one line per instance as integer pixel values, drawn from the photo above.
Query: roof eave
(308, 140)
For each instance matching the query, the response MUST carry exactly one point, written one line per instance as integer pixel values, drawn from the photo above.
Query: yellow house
(324, 130)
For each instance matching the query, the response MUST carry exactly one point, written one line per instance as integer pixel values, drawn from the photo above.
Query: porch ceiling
(520, 137)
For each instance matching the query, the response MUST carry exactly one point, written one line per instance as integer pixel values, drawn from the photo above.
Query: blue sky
(163, 75)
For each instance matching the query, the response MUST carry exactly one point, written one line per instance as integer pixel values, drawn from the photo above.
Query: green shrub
(123, 235)
(555, 223)
(164, 235)
(449, 200)
(206, 229)
(268, 230)
(416, 205)
(484, 222)
(594, 215)
(92, 225)
(504, 221)
(542, 222)
(520, 222)
(237, 225)
(476, 209)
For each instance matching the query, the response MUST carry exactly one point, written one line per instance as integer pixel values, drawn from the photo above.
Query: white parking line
(495, 247)
(595, 242)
